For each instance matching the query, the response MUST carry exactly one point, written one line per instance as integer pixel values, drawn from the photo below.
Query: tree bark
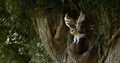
(53, 35)
(101, 45)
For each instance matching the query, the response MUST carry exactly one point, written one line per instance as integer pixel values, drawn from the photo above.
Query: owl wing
(69, 21)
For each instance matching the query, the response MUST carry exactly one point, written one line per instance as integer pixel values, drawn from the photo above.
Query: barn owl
(74, 27)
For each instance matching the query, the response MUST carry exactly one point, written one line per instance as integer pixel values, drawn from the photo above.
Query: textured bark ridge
(53, 35)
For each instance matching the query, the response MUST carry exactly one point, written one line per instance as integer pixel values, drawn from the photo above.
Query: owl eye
(72, 30)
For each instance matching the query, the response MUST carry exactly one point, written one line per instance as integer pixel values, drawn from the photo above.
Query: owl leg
(75, 39)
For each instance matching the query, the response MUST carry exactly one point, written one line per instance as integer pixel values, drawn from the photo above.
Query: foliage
(19, 43)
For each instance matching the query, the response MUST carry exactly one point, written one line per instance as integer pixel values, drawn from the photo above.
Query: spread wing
(69, 21)
(80, 20)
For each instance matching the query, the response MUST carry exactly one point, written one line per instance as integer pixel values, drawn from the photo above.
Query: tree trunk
(101, 45)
